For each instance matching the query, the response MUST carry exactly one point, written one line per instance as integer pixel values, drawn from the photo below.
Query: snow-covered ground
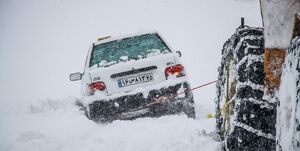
(42, 41)
(58, 125)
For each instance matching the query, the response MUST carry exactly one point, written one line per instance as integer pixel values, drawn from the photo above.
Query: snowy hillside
(42, 42)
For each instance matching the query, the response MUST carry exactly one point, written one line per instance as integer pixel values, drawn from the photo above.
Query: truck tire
(244, 120)
(288, 108)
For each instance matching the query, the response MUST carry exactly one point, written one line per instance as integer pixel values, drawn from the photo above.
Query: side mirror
(75, 76)
(179, 53)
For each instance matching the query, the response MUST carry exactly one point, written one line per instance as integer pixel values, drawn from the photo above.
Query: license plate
(135, 80)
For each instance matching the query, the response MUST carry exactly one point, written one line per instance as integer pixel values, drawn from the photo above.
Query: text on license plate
(135, 80)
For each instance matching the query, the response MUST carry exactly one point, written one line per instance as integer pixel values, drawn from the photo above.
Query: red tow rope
(189, 90)
(163, 99)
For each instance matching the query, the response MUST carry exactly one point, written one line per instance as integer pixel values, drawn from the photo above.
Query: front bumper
(136, 105)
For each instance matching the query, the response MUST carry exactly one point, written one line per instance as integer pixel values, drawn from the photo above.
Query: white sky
(43, 41)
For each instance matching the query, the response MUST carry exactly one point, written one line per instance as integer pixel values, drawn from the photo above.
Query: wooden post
(274, 58)
(278, 17)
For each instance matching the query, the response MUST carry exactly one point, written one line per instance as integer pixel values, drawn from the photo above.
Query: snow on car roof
(125, 36)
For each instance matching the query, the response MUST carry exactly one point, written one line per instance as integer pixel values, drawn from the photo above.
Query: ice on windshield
(124, 58)
(134, 48)
(153, 52)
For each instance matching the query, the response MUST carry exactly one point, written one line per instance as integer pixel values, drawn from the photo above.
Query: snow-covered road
(49, 125)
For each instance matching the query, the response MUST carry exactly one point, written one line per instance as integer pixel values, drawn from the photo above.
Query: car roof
(123, 37)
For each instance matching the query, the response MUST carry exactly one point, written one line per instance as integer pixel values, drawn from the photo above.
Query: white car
(135, 76)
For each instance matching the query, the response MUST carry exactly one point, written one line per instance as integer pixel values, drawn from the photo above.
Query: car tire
(190, 113)
(190, 109)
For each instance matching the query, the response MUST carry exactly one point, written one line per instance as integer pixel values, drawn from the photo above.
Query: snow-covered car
(134, 76)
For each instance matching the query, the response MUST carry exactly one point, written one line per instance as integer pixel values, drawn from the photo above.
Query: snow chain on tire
(288, 115)
(245, 121)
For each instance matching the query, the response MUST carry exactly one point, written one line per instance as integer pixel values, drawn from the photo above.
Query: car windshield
(135, 48)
